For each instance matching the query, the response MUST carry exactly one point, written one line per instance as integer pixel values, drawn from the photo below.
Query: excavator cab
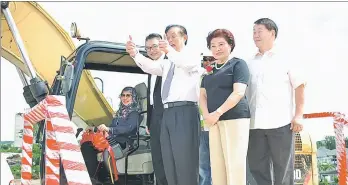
(75, 74)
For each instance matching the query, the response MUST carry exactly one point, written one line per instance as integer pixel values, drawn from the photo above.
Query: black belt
(178, 104)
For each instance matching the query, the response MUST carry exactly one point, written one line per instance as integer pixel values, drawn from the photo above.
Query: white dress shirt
(187, 72)
(273, 79)
(153, 81)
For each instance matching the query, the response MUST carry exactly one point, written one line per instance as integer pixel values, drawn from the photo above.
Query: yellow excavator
(48, 63)
(43, 51)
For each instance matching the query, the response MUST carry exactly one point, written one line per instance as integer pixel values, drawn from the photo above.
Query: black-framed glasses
(155, 46)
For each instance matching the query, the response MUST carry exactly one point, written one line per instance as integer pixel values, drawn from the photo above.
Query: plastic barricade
(61, 143)
(340, 120)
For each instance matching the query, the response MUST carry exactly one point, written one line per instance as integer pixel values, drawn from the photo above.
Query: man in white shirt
(180, 128)
(275, 83)
(155, 107)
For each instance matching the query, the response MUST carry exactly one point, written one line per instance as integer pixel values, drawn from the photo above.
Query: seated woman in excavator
(123, 125)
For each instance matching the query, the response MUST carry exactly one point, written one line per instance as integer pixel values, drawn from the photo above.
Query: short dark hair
(224, 33)
(183, 30)
(153, 35)
(269, 24)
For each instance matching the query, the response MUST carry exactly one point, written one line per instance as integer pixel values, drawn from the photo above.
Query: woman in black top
(122, 126)
(225, 110)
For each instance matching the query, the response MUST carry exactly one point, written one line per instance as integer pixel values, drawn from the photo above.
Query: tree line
(329, 142)
(16, 168)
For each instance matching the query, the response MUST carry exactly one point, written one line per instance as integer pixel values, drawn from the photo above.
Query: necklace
(216, 67)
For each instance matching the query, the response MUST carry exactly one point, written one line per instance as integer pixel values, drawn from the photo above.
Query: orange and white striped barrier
(340, 120)
(60, 143)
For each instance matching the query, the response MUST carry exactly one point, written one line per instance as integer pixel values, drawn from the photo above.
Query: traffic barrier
(340, 120)
(61, 143)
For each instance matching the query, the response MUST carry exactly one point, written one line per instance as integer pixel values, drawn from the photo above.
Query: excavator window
(108, 61)
(104, 75)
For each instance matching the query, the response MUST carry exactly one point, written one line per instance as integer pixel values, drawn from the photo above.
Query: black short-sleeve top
(219, 86)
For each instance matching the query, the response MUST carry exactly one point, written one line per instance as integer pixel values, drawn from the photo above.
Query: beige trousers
(228, 142)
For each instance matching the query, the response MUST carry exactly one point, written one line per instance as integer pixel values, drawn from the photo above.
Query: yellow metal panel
(46, 41)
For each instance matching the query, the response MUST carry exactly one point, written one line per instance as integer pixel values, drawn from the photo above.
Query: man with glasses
(180, 128)
(155, 107)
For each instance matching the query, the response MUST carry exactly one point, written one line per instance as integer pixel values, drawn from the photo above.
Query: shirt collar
(268, 53)
(184, 49)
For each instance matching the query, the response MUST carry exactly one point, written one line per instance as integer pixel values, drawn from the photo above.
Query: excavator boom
(45, 42)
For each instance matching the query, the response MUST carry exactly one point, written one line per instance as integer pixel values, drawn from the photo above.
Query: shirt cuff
(297, 80)
(136, 55)
(138, 58)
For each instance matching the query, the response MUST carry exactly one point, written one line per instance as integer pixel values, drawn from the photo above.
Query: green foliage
(36, 172)
(36, 161)
(329, 142)
(326, 167)
(5, 147)
(16, 171)
(324, 182)
(36, 154)
(8, 148)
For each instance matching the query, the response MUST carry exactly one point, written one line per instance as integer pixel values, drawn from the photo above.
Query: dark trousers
(157, 161)
(89, 154)
(204, 160)
(180, 133)
(272, 146)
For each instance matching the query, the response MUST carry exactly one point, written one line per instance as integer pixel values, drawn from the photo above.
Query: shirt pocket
(276, 76)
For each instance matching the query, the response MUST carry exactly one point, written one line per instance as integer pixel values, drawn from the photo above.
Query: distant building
(328, 157)
(18, 131)
(329, 176)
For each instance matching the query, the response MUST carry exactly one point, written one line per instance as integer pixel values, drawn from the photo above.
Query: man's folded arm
(147, 65)
(185, 60)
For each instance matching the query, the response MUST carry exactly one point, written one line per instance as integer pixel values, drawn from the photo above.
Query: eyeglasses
(155, 46)
(126, 95)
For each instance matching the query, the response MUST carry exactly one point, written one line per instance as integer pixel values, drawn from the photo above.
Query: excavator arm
(45, 42)
(33, 42)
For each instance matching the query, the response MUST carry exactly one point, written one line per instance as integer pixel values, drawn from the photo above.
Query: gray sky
(315, 33)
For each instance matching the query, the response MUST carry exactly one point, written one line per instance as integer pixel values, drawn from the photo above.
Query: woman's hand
(102, 127)
(211, 118)
(89, 128)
